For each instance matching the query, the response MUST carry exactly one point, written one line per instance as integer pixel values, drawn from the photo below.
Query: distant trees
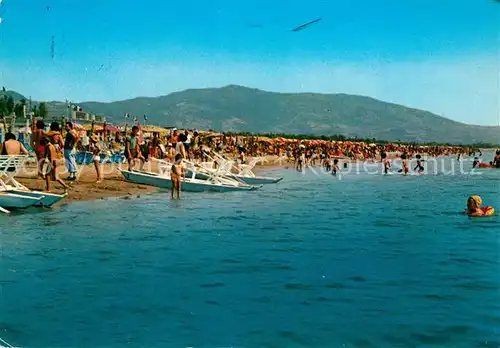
(9, 105)
(19, 110)
(42, 110)
(3, 106)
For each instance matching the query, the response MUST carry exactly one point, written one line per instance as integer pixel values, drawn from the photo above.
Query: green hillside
(16, 96)
(236, 108)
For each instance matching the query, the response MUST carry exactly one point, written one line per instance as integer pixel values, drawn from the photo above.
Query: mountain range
(237, 108)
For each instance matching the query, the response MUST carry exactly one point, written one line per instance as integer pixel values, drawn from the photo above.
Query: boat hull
(189, 185)
(257, 180)
(47, 199)
(14, 201)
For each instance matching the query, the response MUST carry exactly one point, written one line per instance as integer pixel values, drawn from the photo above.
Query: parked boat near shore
(188, 184)
(14, 195)
(227, 169)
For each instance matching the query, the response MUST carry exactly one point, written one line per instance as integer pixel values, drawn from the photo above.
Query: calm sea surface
(365, 261)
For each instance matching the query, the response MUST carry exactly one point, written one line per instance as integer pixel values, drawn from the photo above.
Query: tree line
(9, 108)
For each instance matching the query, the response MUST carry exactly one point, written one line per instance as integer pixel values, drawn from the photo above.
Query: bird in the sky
(304, 26)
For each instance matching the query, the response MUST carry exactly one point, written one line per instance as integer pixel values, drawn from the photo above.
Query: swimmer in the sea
(474, 207)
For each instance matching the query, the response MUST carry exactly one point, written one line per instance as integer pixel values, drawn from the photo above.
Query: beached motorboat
(14, 201)
(164, 181)
(225, 169)
(250, 180)
(9, 166)
(47, 199)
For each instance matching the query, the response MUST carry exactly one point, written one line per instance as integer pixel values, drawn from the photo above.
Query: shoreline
(113, 185)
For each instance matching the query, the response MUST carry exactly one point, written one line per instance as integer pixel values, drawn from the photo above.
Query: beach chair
(10, 166)
(246, 170)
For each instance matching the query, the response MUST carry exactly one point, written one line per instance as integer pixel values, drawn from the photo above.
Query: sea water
(361, 260)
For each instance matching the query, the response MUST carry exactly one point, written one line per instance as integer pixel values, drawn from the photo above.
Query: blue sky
(439, 55)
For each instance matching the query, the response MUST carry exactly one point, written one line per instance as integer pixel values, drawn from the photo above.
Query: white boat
(14, 195)
(188, 184)
(47, 199)
(250, 180)
(226, 167)
(13, 201)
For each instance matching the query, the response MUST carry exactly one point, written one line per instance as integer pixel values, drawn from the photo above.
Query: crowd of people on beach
(54, 147)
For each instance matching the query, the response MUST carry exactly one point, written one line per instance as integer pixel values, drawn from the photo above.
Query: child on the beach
(49, 167)
(95, 148)
(176, 173)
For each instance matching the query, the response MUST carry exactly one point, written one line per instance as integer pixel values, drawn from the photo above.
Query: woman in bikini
(176, 173)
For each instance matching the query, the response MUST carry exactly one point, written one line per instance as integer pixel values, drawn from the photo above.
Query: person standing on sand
(37, 135)
(12, 147)
(176, 173)
(187, 144)
(69, 147)
(132, 148)
(56, 139)
(50, 164)
(95, 148)
(180, 149)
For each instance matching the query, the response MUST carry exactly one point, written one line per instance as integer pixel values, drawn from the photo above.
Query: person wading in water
(176, 173)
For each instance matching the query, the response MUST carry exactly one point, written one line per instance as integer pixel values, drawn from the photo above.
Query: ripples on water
(366, 261)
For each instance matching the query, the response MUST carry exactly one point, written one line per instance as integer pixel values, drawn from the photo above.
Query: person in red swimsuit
(38, 134)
